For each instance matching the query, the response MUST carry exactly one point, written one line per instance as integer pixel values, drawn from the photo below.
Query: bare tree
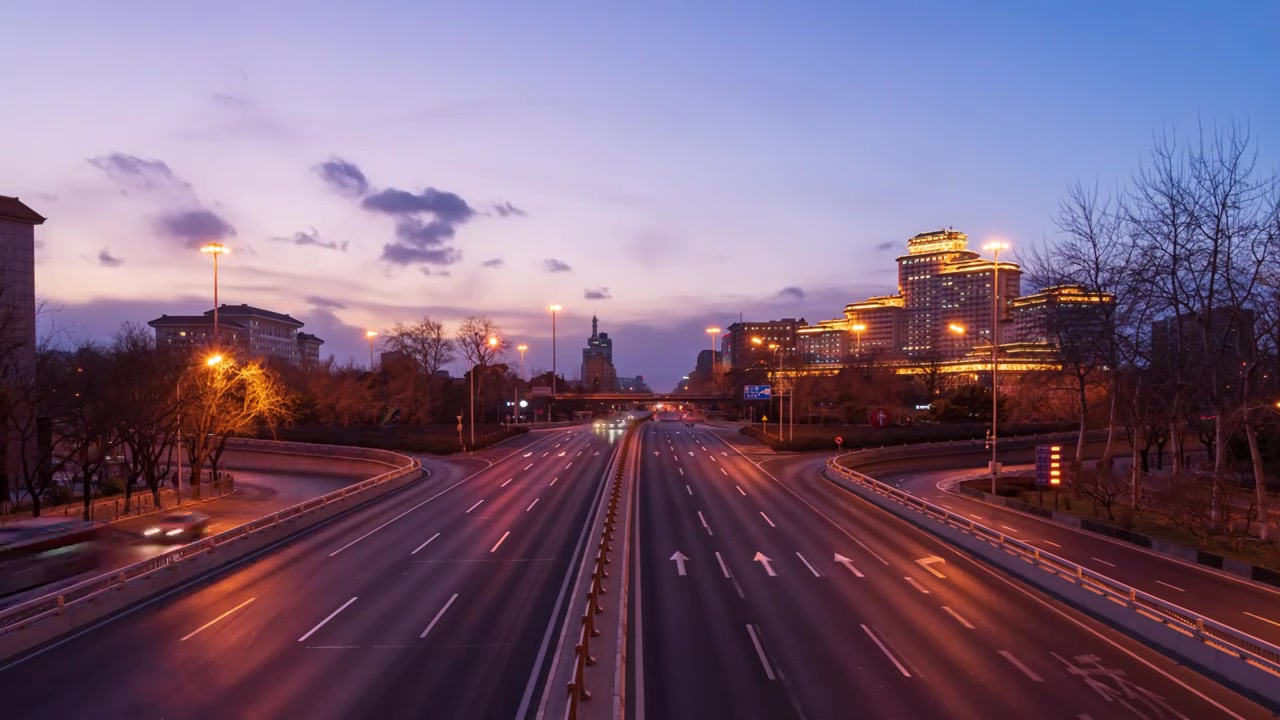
(481, 343)
(425, 342)
(147, 402)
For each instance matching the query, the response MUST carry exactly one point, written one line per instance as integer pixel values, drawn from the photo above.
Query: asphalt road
(800, 600)
(434, 602)
(1242, 604)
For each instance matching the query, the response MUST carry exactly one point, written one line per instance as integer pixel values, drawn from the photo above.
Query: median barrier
(1233, 657)
(27, 625)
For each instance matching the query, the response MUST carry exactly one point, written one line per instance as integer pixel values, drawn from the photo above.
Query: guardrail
(582, 657)
(23, 614)
(1207, 631)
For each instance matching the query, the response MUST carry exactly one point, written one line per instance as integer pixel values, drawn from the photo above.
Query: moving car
(178, 527)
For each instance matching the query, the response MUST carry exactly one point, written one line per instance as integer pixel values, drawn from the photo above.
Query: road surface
(791, 598)
(434, 602)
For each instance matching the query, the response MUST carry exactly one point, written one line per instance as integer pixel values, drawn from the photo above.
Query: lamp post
(215, 249)
(960, 330)
(522, 348)
(493, 343)
(554, 309)
(995, 247)
(370, 335)
(712, 332)
(777, 351)
(857, 329)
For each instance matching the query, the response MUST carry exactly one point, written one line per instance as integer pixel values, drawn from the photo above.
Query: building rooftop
(249, 310)
(11, 208)
(308, 337)
(196, 320)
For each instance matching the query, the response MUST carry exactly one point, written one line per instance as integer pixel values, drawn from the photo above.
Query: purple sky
(666, 165)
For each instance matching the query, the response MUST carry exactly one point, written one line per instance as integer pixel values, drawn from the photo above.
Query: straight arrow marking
(766, 562)
(680, 558)
(849, 564)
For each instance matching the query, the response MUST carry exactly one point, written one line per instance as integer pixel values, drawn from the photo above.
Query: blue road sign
(757, 392)
(1048, 465)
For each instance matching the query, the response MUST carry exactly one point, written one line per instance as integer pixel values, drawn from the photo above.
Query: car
(177, 527)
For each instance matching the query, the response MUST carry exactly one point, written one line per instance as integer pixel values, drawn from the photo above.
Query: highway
(1245, 605)
(757, 597)
(436, 601)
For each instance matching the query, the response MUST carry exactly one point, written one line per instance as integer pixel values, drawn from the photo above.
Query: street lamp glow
(522, 348)
(858, 327)
(957, 329)
(996, 246)
(493, 342)
(215, 249)
(371, 333)
(213, 360)
(554, 308)
(756, 341)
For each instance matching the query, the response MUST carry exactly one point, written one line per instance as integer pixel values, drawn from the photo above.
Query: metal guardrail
(23, 614)
(582, 657)
(1210, 632)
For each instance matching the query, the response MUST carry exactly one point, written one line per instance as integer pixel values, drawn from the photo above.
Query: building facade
(876, 324)
(826, 343)
(250, 331)
(1061, 314)
(743, 353)
(18, 335)
(598, 373)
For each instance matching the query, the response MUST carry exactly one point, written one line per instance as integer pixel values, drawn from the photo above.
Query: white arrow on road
(724, 453)
(760, 558)
(679, 557)
(849, 564)
(691, 452)
(925, 563)
(528, 454)
(655, 452)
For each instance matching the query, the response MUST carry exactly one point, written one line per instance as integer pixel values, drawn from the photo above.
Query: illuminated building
(253, 331)
(744, 354)
(1059, 314)
(881, 321)
(826, 343)
(598, 373)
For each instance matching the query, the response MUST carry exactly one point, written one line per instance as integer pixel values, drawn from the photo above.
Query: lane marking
(321, 624)
(553, 481)
(495, 547)
(535, 502)
(806, 564)
(886, 652)
(726, 472)
(214, 621)
(959, 619)
(686, 487)
(704, 520)
(723, 568)
(1259, 617)
(740, 490)
(547, 452)
(526, 467)
(436, 619)
(428, 542)
(506, 483)
(473, 507)
(766, 519)
(1010, 529)
(1018, 664)
(975, 516)
(713, 457)
(566, 467)
(579, 454)
(1104, 562)
(916, 585)
(768, 671)
(681, 470)
(1175, 587)
(1050, 542)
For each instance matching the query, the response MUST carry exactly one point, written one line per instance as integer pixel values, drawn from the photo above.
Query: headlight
(151, 531)
(175, 531)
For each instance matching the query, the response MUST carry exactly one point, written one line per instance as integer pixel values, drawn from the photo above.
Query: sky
(665, 165)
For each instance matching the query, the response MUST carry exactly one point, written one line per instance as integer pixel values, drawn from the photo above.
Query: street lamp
(522, 348)
(858, 328)
(995, 247)
(215, 249)
(777, 351)
(712, 332)
(493, 343)
(554, 309)
(370, 335)
(960, 330)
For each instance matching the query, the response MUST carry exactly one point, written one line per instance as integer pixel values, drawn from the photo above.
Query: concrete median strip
(72, 611)
(1220, 651)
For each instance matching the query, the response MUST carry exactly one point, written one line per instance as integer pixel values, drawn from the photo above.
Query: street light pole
(554, 309)
(371, 334)
(712, 332)
(215, 249)
(858, 328)
(995, 248)
(522, 348)
(493, 343)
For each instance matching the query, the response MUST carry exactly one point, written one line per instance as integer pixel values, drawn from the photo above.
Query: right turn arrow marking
(927, 562)
(849, 564)
(765, 561)
(679, 557)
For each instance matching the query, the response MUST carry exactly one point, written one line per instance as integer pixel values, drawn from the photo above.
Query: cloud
(193, 227)
(106, 259)
(312, 239)
(791, 293)
(506, 209)
(139, 173)
(596, 294)
(343, 177)
(884, 246)
(399, 254)
(446, 206)
(493, 263)
(435, 273)
(556, 266)
(327, 303)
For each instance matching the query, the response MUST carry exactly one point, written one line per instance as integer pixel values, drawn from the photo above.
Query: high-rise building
(826, 343)
(743, 353)
(252, 331)
(876, 325)
(598, 373)
(18, 335)
(1057, 315)
(633, 384)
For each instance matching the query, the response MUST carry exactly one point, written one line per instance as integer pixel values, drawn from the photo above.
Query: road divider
(1235, 658)
(77, 607)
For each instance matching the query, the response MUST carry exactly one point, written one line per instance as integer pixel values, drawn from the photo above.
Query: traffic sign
(839, 440)
(1048, 465)
(757, 392)
(539, 390)
(879, 418)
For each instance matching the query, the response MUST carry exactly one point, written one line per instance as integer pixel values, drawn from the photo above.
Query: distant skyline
(666, 167)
